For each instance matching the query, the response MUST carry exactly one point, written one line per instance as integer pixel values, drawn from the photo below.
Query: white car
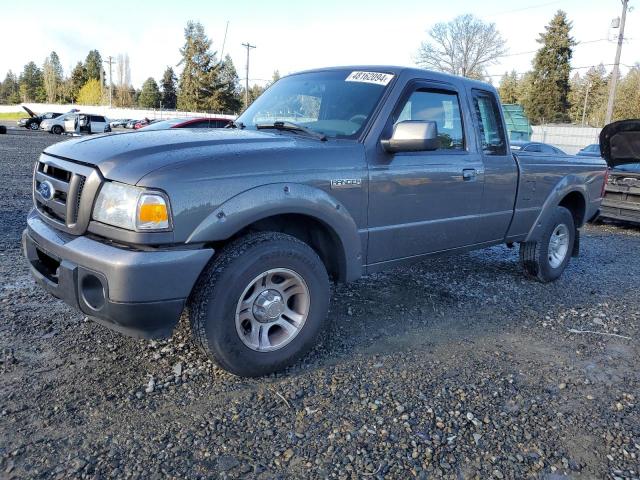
(86, 123)
(56, 125)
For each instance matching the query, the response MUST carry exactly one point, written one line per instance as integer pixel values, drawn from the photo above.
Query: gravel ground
(455, 368)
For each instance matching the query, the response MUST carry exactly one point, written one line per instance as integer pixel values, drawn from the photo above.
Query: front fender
(284, 198)
(567, 185)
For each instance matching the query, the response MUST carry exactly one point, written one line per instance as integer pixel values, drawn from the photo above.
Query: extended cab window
(437, 106)
(492, 136)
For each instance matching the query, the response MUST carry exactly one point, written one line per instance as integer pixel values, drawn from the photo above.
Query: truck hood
(127, 157)
(620, 142)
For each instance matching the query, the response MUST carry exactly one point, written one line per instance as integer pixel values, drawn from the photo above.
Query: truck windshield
(335, 103)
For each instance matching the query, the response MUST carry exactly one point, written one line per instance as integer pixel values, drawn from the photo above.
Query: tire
(56, 129)
(34, 126)
(538, 259)
(226, 335)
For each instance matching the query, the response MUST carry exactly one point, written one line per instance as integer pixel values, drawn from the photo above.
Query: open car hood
(29, 111)
(620, 142)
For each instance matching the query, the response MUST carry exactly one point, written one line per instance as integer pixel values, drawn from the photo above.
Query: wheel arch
(305, 212)
(570, 193)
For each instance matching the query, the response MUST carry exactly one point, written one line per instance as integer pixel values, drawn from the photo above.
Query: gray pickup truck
(329, 175)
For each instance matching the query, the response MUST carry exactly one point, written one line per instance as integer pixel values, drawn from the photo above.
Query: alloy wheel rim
(558, 245)
(272, 310)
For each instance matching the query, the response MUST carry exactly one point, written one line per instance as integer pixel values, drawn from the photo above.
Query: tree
(93, 64)
(150, 94)
(78, 78)
(52, 74)
(549, 99)
(123, 96)
(169, 97)
(464, 46)
(594, 88)
(10, 90)
(198, 80)
(509, 88)
(628, 95)
(228, 94)
(90, 93)
(32, 84)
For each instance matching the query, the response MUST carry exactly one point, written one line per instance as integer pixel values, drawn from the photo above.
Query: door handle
(469, 174)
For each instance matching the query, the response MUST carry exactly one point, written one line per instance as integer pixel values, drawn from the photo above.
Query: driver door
(429, 201)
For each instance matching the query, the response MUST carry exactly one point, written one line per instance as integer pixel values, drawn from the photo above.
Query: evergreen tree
(228, 94)
(169, 96)
(594, 88)
(52, 74)
(93, 65)
(10, 90)
(78, 79)
(32, 84)
(627, 103)
(549, 97)
(509, 88)
(150, 94)
(198, 80)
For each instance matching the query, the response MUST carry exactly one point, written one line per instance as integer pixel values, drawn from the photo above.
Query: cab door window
(486, 110)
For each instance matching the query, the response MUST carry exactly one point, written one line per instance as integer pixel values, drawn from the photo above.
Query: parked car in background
(131, 123)
(621, 143)
(56, 125)
(32, 122)
(201, 122)
(119, 123)
(143, 123)
(622, 194)
(592, 150)
(536, 147)
(86, 123)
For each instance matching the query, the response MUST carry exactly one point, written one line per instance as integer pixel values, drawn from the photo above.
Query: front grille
(60, 189)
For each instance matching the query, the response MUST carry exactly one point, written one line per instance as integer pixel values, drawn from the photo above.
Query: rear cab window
(491, 130)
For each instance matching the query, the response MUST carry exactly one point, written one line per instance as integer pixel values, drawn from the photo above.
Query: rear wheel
(260, 304)
(57, 129)
(547, 258)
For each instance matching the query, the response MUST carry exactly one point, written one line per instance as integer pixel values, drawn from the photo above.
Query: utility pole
(246, 83)
(109, 60)
(616, 64)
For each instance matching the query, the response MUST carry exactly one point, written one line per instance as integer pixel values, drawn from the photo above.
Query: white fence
(110, 113)
(569, 138)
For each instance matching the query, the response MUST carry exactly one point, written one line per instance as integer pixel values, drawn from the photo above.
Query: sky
(297, 35)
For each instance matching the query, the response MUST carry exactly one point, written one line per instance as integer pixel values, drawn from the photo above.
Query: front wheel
(260, 304)
(547, 258)
(34, 126)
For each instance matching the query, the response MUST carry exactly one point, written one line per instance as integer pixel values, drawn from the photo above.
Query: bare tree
(123, 81)
(464, 46)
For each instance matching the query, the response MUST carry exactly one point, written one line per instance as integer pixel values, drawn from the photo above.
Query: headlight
(132, 208)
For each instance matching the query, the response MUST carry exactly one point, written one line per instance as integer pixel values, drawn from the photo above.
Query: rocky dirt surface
(455, 368)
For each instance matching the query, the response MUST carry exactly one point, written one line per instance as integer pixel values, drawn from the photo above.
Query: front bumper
(139, 293)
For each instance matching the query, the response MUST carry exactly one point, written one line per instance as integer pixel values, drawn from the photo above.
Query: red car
(213, 122)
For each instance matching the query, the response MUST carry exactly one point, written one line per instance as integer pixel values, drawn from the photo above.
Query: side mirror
(412, 136)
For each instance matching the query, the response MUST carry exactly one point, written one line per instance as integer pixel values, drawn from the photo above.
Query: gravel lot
(454, 368)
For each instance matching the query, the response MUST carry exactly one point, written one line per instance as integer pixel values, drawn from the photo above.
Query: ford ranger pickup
(329, 175)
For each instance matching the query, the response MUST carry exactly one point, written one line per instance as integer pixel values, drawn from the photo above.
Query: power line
(614, 74)
(530, 7)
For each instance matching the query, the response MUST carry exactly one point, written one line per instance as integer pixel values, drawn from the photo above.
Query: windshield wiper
(292, 127)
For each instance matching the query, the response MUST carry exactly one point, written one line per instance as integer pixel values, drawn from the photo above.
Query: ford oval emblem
(46, 190)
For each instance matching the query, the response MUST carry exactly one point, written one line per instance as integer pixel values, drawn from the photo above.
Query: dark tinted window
(96, 118)
(487, 112)
(548, 149)
(200, 124)
(532, 148)
(437, 106)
